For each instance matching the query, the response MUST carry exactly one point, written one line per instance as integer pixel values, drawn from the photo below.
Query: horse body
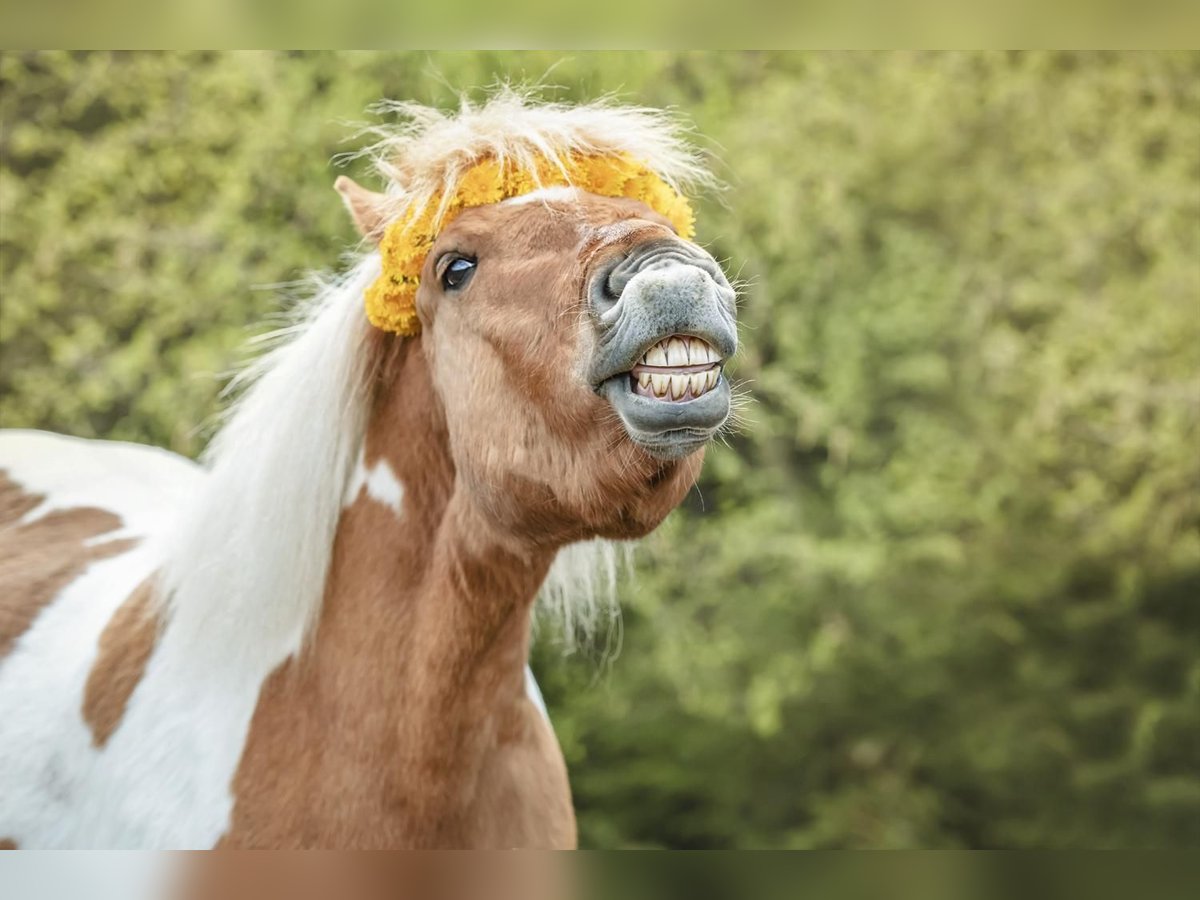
(320, 639)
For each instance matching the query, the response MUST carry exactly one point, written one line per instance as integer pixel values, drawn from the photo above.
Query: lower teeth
(676, 387)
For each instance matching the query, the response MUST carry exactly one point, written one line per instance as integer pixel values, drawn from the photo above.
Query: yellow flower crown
(392, 300)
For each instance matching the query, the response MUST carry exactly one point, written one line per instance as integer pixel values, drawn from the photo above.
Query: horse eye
(457, 273)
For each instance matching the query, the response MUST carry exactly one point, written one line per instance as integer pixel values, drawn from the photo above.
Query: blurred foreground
(595, 876)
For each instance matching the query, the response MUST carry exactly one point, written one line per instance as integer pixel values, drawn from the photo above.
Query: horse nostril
(606, 288)
(604, 296)
(611, 290)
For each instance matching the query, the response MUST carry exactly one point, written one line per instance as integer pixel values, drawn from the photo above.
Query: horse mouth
(674, 399)
(677, 369)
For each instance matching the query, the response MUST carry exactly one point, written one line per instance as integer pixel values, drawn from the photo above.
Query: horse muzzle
(667, 324)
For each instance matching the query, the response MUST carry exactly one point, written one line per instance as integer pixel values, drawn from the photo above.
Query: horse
(319, 636)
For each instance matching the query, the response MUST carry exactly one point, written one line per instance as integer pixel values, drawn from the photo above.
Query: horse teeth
(677, 353)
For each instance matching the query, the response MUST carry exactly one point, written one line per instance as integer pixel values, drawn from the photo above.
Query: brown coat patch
(125, 647)
(39, 559)
(8, 844)
(243, 875)
(14, 502)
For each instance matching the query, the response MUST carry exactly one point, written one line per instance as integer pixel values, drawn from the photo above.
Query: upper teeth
(680, 351)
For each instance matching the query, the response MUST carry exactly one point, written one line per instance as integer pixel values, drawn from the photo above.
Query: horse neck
(425, 598)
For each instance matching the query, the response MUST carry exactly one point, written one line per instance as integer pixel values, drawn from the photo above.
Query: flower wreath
(392, 300)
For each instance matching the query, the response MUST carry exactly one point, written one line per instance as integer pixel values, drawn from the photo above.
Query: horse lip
(664, 428)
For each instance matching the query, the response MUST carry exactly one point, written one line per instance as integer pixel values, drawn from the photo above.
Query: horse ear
(366, 207)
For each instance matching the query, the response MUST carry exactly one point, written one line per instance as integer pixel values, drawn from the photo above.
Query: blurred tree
(940, 589)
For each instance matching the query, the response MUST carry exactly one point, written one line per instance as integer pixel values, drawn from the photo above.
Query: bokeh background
(943, 588)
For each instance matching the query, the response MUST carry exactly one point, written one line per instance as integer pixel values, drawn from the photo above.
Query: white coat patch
(380, 482)
(543, 195)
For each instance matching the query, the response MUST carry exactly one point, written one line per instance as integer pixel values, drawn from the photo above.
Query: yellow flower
(393, 307)
(517, 181)
(550, 172)
(480, 185)
(606, 176)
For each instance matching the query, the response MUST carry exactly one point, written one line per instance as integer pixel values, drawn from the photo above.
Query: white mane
(427, 152)
(252, 553)
(580, 590)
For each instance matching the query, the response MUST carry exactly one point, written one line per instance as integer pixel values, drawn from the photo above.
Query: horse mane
(251, 554)
(422, 157)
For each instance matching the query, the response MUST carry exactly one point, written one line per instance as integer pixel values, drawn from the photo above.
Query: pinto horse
(319, 638)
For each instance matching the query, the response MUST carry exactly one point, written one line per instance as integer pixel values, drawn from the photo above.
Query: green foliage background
(944, 587)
